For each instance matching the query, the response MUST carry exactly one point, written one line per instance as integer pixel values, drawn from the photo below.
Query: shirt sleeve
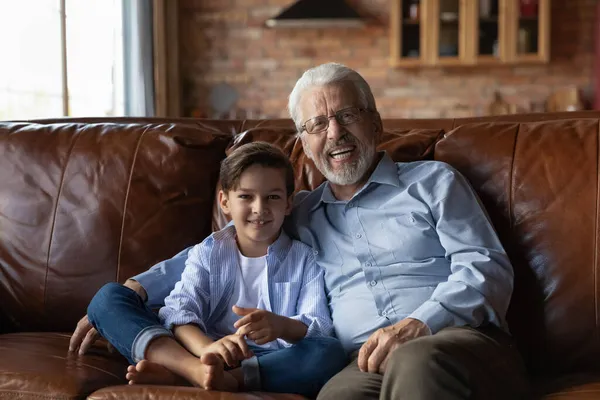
(480, 283)
(312, 306)
(189, 303)
(159, 280)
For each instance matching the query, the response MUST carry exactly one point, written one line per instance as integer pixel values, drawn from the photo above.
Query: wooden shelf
(500, 30)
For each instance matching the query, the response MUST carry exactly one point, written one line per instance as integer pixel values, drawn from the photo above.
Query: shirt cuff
(170, 317)
(433, 315)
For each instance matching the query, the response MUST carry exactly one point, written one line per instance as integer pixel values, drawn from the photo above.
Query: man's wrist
(136, 287)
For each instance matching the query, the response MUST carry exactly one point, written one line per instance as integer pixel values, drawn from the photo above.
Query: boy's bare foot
(210, 375)
(146, 372)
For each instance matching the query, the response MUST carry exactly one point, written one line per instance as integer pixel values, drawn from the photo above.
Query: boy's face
(257, 207)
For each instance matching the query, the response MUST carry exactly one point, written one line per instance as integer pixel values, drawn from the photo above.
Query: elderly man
(417, 279)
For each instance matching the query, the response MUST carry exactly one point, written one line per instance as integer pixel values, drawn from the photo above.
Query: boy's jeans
(121, 316)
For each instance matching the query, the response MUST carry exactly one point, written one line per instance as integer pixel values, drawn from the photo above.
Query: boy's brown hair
(255, 153)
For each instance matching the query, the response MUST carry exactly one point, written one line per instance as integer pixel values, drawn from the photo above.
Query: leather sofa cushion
(38, 366)
(539, 184)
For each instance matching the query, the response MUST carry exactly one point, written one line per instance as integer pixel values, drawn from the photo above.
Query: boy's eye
(274, 197)
(244, 196)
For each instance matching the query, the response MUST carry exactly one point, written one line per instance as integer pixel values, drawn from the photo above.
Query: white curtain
(138, 58)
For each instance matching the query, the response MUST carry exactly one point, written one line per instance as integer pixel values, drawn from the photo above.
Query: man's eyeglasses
(344, 117)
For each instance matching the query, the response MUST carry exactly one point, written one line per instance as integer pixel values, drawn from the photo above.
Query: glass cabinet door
(407, 32)
(488, 37)
(449, 21)
(530, 22)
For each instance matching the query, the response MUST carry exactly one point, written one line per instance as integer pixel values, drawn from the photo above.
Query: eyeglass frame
(360, 110)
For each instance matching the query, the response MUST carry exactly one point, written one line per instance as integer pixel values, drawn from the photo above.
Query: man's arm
(158, 281)
(480, 283)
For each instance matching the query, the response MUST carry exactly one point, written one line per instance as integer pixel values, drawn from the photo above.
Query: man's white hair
(327, 74)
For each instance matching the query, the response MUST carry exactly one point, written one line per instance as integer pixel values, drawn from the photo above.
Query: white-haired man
(417, 280)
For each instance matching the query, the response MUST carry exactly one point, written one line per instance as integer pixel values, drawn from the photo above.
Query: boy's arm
(189, 302)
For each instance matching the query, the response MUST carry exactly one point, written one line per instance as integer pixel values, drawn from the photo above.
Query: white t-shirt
(247, 292)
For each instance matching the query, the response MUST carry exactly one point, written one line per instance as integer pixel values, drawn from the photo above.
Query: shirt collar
(279, 248)
(386, 173)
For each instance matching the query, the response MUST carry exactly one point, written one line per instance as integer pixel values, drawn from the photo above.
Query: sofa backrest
(85, 204)
(540, 185)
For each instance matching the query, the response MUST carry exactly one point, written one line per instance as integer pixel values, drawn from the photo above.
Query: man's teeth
(341, 154)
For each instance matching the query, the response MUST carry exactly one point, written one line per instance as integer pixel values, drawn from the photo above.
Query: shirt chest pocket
(284, 297)
(409, 237)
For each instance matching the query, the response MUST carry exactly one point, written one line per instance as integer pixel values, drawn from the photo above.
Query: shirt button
(367, 264)
(358, 235)
(350, 205)
(383, 313)
(316, 252)
(373, 283)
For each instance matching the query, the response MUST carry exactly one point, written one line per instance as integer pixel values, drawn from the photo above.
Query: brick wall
(225, 41)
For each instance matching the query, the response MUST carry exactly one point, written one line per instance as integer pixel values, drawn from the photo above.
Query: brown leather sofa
(84, 202)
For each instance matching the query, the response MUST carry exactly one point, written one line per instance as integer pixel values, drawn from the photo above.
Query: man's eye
(319, 124)
(348, 116)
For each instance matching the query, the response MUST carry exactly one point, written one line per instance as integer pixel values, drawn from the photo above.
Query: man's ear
(224, 202)
(377, 126)
(290, 204)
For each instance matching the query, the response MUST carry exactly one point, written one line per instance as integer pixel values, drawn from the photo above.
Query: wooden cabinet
(469, 32)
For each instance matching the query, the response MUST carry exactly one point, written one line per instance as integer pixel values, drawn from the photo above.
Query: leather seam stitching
(511, 217)
(60, 190)
(133, 161)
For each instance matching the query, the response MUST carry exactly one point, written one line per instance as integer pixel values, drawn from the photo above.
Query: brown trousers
(456, 363)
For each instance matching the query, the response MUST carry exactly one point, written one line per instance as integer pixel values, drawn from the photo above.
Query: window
(51, 70)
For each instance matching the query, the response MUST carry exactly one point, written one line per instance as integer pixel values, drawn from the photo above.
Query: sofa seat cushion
(575, 386)
(141, 392)
(39, 366)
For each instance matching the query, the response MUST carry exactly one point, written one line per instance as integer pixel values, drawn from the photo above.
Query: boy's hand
(232, 349)
(259, 325)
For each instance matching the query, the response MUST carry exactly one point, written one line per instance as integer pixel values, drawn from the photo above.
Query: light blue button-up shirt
(293, 286)
(413, 242)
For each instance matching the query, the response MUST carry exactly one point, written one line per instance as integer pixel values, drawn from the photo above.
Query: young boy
(250, 311)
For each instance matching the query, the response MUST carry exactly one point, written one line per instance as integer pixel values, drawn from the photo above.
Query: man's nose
(335, 131)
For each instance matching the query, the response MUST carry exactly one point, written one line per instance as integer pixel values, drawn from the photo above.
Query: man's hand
(373, 355)
(259, 325)
(232, 349)
(85, 334)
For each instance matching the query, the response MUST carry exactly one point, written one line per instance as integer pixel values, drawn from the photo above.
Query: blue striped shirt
(294, 286)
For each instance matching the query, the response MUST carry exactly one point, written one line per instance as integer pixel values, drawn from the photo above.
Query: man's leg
(301, 369)
(121, 317)
(457, 363)
(352, 384)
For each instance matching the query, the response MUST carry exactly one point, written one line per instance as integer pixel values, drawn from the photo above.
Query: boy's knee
(103, 298)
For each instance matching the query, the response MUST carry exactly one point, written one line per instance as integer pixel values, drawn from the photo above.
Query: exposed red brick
(226, 41)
